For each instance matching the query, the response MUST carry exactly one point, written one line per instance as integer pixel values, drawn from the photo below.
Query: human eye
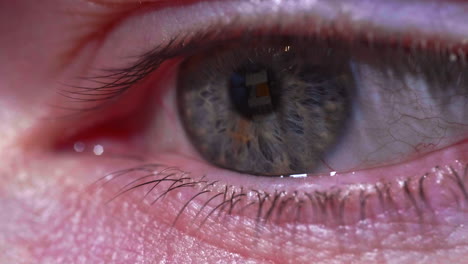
(272, 131)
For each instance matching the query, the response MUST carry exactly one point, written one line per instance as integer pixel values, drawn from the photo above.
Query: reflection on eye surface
(381, 133)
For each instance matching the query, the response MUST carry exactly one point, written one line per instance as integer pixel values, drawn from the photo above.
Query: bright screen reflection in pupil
(250, 91)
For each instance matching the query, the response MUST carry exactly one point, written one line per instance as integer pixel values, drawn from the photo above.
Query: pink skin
(54, 208)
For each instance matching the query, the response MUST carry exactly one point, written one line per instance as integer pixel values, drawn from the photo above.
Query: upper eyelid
(115, 81)
(426, 19)
(342, 18)
(441, 21)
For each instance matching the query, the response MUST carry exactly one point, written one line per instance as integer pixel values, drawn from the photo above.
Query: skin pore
(58, 206)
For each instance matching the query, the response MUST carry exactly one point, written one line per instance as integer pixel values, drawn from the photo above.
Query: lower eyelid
(434, 189)
(356, 213)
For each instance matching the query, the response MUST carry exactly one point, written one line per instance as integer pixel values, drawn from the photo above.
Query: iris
(267, 109)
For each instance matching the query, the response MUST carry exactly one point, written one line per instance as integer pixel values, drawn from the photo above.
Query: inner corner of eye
(101, 133)
(297, 109)
(115, 126)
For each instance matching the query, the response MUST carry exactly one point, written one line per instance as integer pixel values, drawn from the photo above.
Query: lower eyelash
(402, 200)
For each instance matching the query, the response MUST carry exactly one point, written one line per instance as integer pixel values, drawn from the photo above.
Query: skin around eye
(201, 196)
(69, 207)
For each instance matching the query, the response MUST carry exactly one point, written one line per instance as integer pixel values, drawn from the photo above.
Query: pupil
(251, 91)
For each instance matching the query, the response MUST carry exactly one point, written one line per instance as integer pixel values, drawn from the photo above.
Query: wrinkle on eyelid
(93, 19)
(93, 23)
(101, 16)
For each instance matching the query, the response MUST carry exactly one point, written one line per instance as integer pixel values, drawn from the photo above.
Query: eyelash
(324, 207)
(115, 82)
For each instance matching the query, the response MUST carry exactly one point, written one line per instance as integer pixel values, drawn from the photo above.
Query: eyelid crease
(138, 3)
(101, 16)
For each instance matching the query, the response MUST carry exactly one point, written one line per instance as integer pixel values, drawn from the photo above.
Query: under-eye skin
(347, 114)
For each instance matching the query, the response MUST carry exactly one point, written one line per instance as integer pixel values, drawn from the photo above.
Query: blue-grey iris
(268, 109)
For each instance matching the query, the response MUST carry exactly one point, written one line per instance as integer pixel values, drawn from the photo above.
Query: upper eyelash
(327, 206)
(114, 82)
